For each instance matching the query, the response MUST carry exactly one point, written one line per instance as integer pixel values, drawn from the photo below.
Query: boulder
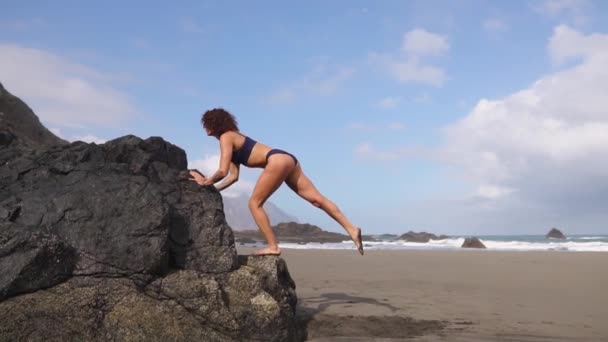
(124, 206)
(555, 234)
(472, 243)
(113, 242)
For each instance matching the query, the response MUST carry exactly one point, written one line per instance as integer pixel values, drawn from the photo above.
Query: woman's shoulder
(234, 137)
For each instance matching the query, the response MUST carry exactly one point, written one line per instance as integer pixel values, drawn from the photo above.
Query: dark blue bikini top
(241, 155)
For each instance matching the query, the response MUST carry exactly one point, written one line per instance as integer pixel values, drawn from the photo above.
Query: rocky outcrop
(422, 237)
(112, 242)
(555, 234)
(294, 232)
(472, 243)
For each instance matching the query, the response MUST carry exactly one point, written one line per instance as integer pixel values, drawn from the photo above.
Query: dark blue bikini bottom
(276, 150)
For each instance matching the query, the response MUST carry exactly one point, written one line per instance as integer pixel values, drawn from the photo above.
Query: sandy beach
(450, 295)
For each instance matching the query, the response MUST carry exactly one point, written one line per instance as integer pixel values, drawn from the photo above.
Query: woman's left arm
(233, 177)
(225, 157)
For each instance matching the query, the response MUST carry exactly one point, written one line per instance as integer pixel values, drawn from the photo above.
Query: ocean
(574, 243)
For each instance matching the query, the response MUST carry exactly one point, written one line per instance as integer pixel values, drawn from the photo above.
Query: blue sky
(459, 117)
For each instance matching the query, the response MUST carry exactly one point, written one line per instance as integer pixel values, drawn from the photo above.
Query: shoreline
(349, 247)
(599, 244)
(451, 295)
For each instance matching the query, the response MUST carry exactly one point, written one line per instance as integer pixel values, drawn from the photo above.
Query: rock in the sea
(113, 242)
(472, 243)
(555, 234)
(421, 237)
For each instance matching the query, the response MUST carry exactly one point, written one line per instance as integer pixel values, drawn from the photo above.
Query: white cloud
(62, 92)
(419, 42)
(545, 144)
(567, 43)
(209, 165)
(492, 191)
(410, 66)
(494, 25)
(323, 80)
(412, 71)
(89, 138)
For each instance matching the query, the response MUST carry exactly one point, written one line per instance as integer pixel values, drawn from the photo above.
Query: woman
(279, 166)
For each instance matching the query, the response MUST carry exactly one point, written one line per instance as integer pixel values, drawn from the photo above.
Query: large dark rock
(555, 234)
(113, 242)
(422, 237)
(121, 205)
(472, 243)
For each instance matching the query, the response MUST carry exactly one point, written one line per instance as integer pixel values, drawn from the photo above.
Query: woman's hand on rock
(197, 177)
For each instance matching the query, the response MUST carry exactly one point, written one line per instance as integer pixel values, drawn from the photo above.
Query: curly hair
(219, 120)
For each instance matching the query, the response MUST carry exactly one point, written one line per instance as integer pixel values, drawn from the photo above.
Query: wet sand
(458, 295)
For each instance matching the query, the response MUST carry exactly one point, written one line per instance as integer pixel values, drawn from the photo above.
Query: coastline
(468, 295)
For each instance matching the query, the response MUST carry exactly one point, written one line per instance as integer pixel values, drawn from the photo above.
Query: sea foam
(583, 244)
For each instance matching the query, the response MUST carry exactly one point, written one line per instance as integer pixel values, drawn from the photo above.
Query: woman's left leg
(275, 172)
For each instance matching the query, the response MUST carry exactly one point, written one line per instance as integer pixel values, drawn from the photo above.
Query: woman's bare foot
(357, 239)
(268, 251)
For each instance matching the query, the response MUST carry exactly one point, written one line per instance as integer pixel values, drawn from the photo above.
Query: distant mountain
(239, 217)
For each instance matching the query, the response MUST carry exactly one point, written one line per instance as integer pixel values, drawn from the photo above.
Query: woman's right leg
(303, 186)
